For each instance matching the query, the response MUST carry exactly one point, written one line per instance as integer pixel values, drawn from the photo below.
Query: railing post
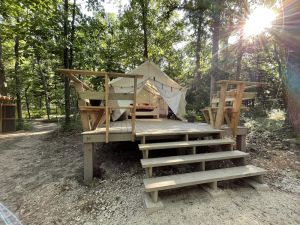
(133, 109)
(107, 116)
(220, 111)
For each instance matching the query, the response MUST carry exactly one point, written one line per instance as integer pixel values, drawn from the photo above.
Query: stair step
(178, 132)
(188, 179)
(185, 159)
(185, 144)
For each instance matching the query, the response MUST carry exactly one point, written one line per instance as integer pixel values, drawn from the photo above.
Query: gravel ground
(41, 181)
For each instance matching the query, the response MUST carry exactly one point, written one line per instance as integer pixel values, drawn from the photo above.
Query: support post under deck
(88, 152)
(241, 142)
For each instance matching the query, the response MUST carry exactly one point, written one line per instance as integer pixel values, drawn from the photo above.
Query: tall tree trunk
(198, 42)
(18, 81)
(66, 63)
(27, 100)
(3, 90)
(144, 5)
(40, 102)
(281, 75)
(244, 8)
(215, 46)
(72, 39)
(239, 58)
(290, 36)
(45, 85)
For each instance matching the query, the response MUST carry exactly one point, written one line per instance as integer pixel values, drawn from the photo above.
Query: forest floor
(42, 171)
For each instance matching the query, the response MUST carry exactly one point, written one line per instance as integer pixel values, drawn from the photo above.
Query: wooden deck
(155, 129)
(151, 128)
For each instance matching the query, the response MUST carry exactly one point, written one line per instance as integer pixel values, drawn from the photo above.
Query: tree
(66, 62)
(289, 36)
(216, 23)
(3, 89)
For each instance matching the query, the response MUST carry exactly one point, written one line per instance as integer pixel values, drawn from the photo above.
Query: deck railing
(92, 116)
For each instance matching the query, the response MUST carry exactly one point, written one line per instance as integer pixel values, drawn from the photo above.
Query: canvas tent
(155, 87)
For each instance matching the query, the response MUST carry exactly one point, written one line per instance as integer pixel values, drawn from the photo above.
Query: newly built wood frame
(167, 134)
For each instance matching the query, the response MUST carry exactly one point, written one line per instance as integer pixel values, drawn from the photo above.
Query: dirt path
(41, 178)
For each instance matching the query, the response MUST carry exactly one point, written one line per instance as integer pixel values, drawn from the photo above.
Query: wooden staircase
(217, 150)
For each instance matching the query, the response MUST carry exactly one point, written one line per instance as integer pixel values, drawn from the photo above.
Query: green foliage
(27, 125)
(74, 127)
(179, 35)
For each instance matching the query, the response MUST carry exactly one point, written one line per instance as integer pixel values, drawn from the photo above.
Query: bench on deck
(226, 105)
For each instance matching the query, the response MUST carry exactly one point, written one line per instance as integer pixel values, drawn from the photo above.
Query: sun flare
(258, 21)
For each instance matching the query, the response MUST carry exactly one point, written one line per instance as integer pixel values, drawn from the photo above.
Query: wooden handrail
(84, 91)
(98, 73)
(247, 83)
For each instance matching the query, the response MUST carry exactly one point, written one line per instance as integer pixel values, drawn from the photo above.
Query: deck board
(155, 126)
(188, 179)
(184, 159)
(185, 144)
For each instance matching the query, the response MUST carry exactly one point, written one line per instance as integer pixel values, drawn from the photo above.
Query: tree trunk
(40, 103)
(45, 86)
(244, 7)
(18, 82)
(27, 101)
(290, 36)
(144, 6)
(72, 39)
(215, 46)
(239, 58)
(198, 43)
(66, 63)
(3, 90)
(281, 75)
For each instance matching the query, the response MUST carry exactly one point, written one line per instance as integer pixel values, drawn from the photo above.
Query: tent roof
(150, 71)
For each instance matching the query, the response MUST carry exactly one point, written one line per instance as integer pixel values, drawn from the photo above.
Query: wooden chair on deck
(227, 104)
(91, 116)
(94, 115)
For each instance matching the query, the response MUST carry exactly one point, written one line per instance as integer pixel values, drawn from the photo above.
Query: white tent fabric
(156, 83)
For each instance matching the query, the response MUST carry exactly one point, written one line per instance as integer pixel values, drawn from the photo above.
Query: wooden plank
(249, 96)
(256, 185)
(121, 96)
(84, 117)
(100, 119)
(220, 111)
(88, 152)
(134, 109)
(154, 196)
(107, 113)
(148, 113)
(77, 81)
(241, 142)
(188, 179)
(185, 144)
(97, 73)
(211, 117)
(240, 131)
(258, 84)
(113, 137)
(227, 119)
(97, 95)
(185, 159)
(212, 189)
(176, 132)
(206, 115)
(235, 114)
(98, 108)
(150, 205)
